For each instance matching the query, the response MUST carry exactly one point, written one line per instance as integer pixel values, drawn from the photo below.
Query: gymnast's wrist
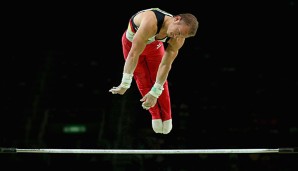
(126, 80)
(156, 90)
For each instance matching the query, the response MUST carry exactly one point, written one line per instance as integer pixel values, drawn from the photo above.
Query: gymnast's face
(177, 29)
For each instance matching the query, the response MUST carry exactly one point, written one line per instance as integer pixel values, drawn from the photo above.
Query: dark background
(233, 85)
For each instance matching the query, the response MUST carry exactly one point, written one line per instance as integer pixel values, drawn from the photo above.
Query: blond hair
(191, 21)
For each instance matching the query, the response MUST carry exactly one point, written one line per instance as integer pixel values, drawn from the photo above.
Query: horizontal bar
(135, 151)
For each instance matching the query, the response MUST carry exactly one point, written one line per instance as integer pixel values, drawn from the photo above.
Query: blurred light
(74, 129)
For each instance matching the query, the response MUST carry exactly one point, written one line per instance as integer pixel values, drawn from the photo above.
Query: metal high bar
(149, 151)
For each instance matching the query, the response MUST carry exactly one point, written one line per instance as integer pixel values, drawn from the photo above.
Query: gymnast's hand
(148, 101)
(118, 90)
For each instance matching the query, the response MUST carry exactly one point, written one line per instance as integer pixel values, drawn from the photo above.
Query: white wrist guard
(156, 90)
(126, 80)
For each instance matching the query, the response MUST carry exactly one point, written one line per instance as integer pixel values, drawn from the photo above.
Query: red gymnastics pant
(145, 75)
